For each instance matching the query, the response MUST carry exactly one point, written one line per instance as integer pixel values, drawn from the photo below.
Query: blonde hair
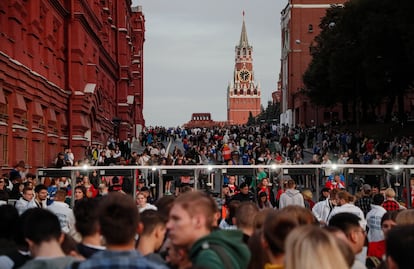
(389, 193)
(307, 247)
(405, 217)
(307, 194)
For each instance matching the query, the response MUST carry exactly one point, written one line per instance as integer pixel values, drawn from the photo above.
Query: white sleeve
(72, 228)
(363, 221)
(316, 210)
(282, 201)
(19, 207)
(23, 206)
(333, 213)
(6, 262)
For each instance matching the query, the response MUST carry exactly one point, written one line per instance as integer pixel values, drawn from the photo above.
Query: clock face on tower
(244, 75)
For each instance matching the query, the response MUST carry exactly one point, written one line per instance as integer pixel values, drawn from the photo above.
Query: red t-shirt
(376, 249)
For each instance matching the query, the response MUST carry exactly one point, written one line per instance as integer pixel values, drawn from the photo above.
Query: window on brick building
(4, 149)
(4, 107)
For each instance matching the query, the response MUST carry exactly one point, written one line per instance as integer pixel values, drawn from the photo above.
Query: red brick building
(203, 120)
(70, 76)
(300, 25)
(243, 94)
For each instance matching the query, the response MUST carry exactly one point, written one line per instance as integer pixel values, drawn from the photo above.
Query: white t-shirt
(350, 208)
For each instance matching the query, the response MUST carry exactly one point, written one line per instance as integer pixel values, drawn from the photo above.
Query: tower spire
(243, 37)
(243, 94)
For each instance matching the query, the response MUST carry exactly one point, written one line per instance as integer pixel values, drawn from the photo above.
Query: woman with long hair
(307, 197)
(265, 186)
(310, 246)
(80, 193)
(263, 201)
(91, 192)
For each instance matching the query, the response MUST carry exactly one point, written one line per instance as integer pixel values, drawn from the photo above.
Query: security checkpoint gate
(406, 172)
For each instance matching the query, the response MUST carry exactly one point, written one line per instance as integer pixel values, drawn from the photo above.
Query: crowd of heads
(253, 224)
(185, 232)
(243, 144)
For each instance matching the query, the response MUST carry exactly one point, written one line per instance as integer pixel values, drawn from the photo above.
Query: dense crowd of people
(253, 144)
(247, 145)
(189, 230)
(255, 222)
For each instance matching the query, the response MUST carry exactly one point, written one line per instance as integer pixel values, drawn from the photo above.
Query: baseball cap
(366, 187)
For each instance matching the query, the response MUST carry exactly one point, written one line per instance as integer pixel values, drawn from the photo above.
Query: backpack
(221, 252)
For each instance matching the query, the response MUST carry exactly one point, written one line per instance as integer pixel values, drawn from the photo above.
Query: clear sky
(189, 53)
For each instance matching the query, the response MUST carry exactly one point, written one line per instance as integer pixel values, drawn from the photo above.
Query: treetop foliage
(363, 57)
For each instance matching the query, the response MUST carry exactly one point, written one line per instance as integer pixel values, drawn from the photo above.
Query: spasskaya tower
(243, 94)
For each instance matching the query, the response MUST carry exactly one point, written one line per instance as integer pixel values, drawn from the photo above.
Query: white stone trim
(130, 99)
(79, 138)
(89, 88)
(20, 127)
(34, 130)
(245, 96)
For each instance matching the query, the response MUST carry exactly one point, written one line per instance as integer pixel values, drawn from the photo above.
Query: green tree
(251, 120)
(363, 57)
(270, 113)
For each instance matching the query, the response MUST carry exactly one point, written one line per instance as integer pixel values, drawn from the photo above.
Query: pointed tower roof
(243, 37)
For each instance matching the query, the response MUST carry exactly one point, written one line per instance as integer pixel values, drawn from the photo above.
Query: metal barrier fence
(211, 177)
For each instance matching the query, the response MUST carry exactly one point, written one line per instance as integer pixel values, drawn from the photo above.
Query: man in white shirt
(374, 216)
(26, 201)
(64, 213)
(327, 163)
(321, 210)
(343, 200)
